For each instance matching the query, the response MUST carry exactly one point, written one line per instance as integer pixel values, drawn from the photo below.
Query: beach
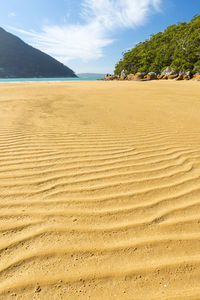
(100, 190)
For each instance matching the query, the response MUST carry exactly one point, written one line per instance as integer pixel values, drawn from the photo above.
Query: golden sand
(100, 190)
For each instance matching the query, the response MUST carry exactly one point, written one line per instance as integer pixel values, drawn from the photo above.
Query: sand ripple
(100, 191)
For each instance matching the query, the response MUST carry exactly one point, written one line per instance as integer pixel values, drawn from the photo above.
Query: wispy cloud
(12, 14)
(112, 14)
(100, 20)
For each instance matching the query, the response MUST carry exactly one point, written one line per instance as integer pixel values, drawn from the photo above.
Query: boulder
(108, 77)
(151, 76)
(180, 77)
(188, 73)
(122, 77)
(169, 71)
(160, 76)
(165, 77)
(123, 73)
(186, 77)
(196, 76)
(111, 77)
(139, 75)
(130, 77)
(172, 76)
(165, 71)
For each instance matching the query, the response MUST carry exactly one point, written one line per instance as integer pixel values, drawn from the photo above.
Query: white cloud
(101, 19)
(119, 13)
(12, 14)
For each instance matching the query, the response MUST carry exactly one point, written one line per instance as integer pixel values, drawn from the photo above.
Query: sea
(49, 79)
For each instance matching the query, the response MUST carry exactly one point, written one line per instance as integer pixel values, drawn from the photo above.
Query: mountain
(91, 75)
(177, 47)
(19, 60)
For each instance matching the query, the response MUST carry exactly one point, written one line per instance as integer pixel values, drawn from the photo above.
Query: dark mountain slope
(19, 60)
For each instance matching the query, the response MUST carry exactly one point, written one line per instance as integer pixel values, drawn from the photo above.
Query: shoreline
(38, 80)
(99, 80)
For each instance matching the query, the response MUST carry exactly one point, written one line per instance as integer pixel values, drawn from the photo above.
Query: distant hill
(177, 47)
(91, 75)
(19, 60)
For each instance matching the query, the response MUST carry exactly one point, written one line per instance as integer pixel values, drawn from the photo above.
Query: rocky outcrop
(172, 76)
(152, 76)
(180, 77)
(188, 73)
(196, 76)
(186, 77)
(139, 75)
(169, 72)
(130, 77)
(111, 77)
(123, 73)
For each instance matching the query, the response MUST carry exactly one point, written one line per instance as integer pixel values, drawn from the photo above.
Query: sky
(89, 36)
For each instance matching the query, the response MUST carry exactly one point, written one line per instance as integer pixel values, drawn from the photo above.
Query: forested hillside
(178, 47)
(18, 59)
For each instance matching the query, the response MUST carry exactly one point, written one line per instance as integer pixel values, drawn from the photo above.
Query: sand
(100, 190)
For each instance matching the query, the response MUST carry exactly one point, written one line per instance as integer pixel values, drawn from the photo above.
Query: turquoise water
(47, 79)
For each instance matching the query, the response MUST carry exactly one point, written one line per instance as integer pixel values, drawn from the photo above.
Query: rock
(139, 75)
(166, 71)
(180, 77)
(172, 76)
(122, 77)
(188, 73)
(169, 71)
(123, 73)
(160, 76)
(186, 77)
(38, 289)
(196, 76)
(130, 77)
(107, 77)
(151, 75)
(111, 77)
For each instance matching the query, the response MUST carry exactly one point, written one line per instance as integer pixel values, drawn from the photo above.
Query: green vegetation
(19, 60)
(178, 47)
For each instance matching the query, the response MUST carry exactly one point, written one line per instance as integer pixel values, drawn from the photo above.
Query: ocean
(48, 79)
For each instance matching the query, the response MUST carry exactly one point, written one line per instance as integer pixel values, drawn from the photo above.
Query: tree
(178, 47)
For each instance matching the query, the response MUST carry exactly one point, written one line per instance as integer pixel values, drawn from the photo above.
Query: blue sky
(90, 35)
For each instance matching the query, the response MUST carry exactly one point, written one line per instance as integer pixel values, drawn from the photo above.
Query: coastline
(38, 80)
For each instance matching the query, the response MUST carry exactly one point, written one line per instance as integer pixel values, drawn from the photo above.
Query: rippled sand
(100, 190)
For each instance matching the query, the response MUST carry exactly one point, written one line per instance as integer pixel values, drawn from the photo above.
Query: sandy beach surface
(100, 190)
